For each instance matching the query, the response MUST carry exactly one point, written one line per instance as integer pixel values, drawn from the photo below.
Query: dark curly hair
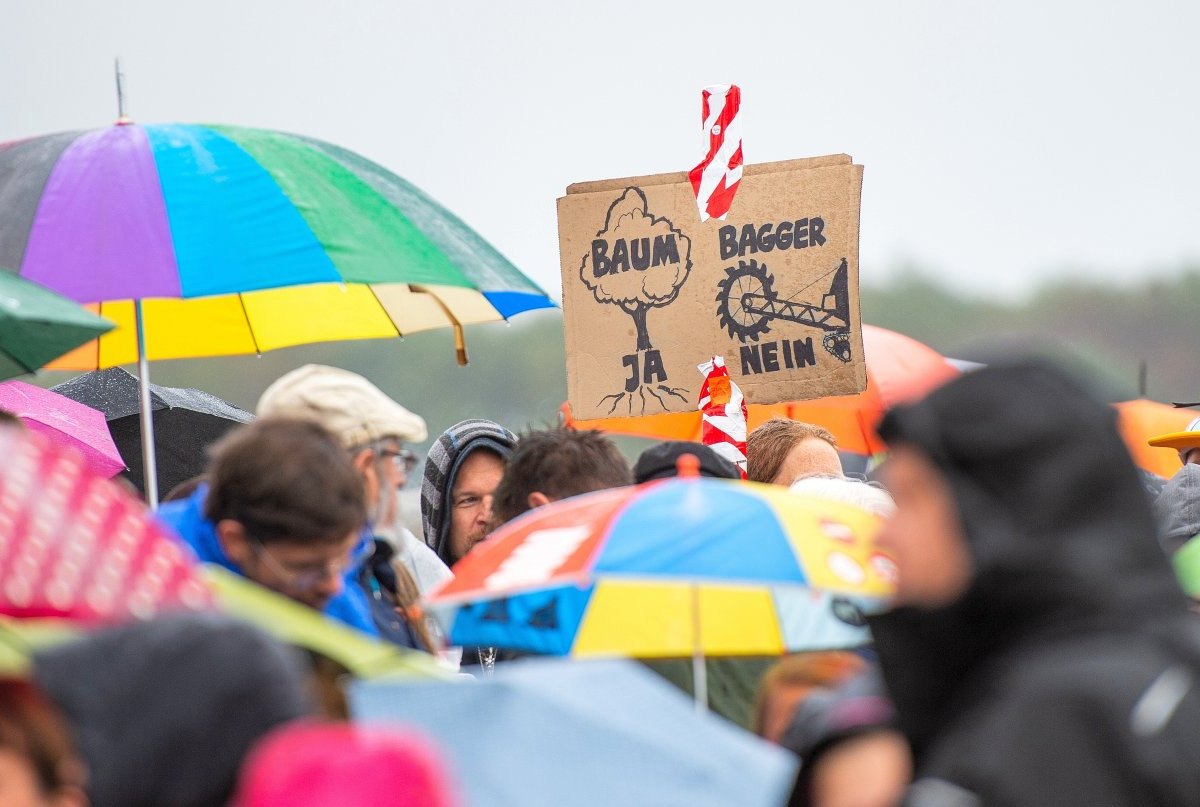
(558, 462)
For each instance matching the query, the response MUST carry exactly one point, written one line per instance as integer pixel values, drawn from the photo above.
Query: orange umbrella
(899, 369)
(1142, 420)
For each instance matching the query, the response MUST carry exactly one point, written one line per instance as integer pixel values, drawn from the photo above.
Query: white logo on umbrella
(538, 557)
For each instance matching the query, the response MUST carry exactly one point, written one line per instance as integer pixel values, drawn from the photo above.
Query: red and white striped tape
(723, 413)
(715, 180)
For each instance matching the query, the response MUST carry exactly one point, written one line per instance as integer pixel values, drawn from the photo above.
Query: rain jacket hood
(441, 469)
(1059, 529)
(163, 712)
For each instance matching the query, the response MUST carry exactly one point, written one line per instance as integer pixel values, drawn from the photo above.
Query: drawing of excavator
(747, 303)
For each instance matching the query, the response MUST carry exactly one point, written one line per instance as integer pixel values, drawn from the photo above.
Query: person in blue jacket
(373, 431)
(284, 506)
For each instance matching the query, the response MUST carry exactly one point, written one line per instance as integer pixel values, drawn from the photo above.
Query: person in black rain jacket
(1041, 651)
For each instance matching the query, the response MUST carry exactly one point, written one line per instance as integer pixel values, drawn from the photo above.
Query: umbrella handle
(460, 337)
(460, 345)
(700, 681)
(699, 670)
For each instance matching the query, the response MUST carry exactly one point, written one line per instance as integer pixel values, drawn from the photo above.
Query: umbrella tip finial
(122, 118)
(688, 466)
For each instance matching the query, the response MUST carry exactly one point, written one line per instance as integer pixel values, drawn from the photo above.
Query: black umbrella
(186, 423)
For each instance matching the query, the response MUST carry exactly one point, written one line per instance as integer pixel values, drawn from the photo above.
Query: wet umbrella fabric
(220, 240)
(64, 421)
(186, 422)
(239, 241)
(583, 733)
(37, 326)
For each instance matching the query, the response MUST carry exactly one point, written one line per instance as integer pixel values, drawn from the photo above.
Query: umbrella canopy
(290, 240)
(295, 624)
(37, 326)
(898, 369)
(670, 569)
(288, 621)
(74, 545)
(64, 421)
(186, 422)
(601, 733)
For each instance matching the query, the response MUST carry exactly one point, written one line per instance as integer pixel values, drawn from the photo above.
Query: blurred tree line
(517, 371)
(1109, 330)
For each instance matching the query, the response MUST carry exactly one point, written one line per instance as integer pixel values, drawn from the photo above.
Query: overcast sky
(1004, 142)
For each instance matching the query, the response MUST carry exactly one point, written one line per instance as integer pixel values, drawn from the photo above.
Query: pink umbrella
(64, 422)
(76, 546)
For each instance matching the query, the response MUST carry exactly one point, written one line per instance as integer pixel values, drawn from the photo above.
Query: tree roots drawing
(640, 395)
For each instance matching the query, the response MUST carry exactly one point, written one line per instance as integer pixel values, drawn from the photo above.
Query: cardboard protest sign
(650, 292)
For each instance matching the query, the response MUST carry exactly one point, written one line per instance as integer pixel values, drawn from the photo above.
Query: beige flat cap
(345, 403)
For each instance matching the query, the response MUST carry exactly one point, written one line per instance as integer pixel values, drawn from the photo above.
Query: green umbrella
(296, 624)
(37, 326)
(288, 621)
(21, 638)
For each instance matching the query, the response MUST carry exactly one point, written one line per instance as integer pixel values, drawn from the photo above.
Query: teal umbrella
(37, 326)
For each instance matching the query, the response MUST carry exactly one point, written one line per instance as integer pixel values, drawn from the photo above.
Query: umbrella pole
(149, 466)
(699, 671)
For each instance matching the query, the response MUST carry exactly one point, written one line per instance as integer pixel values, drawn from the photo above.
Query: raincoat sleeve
(1075, 744)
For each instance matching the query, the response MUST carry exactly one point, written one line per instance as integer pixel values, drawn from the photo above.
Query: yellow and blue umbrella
(674, 568)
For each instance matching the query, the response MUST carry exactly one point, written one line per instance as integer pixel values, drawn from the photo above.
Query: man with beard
(462, 471)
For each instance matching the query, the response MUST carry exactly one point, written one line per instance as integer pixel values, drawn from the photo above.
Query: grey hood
(445, 458)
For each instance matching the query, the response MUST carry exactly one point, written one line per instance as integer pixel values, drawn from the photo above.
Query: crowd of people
(1039, 648)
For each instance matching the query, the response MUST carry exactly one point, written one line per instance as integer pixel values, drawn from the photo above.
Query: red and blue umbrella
(674, 568)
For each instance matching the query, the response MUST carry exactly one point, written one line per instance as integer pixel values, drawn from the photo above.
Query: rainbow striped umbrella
(686, 567)
(218, 240)
(284, 239)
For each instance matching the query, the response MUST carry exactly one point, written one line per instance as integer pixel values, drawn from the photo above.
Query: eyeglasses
(404, 460)
(303, 580)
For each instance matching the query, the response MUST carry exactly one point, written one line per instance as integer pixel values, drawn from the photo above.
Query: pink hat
(315, 765)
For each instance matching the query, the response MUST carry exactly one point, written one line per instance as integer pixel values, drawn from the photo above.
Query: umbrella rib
(578, 579)
(249, 324)
(382, 307)
(96, 362)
